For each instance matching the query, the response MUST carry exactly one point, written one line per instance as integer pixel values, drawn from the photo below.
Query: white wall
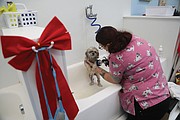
(158, 31)
(72, 15)
(138, 7)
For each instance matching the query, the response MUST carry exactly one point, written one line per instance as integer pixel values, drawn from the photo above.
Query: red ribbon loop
(21, 49)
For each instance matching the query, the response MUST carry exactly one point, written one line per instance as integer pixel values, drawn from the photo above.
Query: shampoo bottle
(161, 51)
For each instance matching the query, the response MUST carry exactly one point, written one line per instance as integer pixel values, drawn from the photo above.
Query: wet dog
(91, 56)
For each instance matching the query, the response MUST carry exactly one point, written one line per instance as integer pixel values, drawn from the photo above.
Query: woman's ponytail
(120, 42)
(115, 40)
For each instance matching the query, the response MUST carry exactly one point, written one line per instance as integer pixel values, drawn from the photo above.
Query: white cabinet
(10, 76)
(158, 31)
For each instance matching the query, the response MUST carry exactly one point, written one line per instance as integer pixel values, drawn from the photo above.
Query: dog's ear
(98, 53)
(95, 48)
(86, 53)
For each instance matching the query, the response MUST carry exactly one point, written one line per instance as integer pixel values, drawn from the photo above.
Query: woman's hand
(104, 74)
(89, 63)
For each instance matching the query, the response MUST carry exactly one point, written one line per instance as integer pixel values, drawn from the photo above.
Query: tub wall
(106, 109)
(94, 102)
(10, 100)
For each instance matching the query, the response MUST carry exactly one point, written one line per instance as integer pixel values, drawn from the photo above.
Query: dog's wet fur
(91, 55)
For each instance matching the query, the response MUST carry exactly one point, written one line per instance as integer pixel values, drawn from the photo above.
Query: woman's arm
(108, 76)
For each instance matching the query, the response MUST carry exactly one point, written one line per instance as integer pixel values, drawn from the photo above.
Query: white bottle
(160, 51)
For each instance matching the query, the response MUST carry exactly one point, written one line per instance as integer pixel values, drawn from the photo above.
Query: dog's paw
(100, 85)
(91, 83)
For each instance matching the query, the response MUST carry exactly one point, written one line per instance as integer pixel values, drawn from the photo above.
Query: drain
(21, 108)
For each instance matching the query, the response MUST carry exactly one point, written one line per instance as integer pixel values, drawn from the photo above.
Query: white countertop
(154, 17)
(32, 32)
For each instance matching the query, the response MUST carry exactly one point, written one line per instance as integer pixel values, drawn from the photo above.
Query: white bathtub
(14, 104)
(95, 103)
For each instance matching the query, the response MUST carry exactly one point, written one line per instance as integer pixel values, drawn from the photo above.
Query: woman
(134, 64)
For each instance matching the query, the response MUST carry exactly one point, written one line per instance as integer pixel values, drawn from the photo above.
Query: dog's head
(92, 54)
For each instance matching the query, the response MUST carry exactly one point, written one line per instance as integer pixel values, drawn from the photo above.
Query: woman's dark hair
(117, 40)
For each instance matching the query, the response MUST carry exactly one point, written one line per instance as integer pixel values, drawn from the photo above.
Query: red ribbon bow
(21, 48)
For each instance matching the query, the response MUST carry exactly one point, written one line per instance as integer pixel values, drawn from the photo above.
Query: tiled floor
(165, 117)
(123, 117)
(172, 116)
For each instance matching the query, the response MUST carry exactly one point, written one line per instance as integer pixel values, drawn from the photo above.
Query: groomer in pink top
(135, 65)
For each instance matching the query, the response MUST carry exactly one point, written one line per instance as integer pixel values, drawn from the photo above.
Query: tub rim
(85, 103)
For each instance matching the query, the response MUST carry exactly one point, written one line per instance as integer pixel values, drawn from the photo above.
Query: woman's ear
(107, 46)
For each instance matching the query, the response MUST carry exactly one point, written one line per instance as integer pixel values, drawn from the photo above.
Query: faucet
(89, 12)
(91, 16)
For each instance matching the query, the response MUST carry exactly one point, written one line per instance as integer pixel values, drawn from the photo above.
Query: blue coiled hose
(92, 17)
(93, 23)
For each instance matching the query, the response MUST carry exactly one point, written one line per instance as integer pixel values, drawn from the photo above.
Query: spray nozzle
(104, 61)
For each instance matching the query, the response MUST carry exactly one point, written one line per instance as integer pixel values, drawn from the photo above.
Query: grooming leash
(61, 108)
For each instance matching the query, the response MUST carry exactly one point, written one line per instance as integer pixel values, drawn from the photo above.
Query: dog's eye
(93, 53)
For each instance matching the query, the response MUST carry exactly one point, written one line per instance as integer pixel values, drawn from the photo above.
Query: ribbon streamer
(24, 54)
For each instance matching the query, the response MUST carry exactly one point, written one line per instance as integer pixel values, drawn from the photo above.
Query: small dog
(91, 55)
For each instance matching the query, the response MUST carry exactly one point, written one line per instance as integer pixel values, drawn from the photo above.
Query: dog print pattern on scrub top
(141, 74)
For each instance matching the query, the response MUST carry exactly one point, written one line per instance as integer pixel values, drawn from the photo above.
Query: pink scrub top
(142, 77)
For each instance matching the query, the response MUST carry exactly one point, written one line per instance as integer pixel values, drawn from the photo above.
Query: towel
(174, 91)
